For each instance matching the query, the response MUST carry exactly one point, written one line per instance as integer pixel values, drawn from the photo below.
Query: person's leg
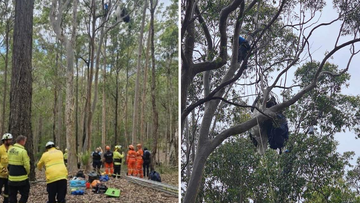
(12, 194)
(147, 169)
(111, 168)
(62, 189)
(107, 168)
(51, 189)
(24, 192)
(144, 169)
(6, 191)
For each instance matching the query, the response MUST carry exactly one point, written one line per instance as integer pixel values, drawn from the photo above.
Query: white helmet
(50, 143)
(7, 136)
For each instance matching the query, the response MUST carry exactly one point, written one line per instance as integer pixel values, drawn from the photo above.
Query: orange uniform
(139, 163)
(131, 161)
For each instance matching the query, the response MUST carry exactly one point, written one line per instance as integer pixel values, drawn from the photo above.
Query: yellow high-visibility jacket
(118, 157)
(19, 163)
(55, 168)
(4, 161)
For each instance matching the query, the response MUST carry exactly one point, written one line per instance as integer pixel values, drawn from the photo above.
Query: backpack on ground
(155, 176)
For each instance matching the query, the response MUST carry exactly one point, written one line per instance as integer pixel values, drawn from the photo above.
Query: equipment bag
(277, 135)
(155, 176)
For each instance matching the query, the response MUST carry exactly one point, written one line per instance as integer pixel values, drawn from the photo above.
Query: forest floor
(130, 192)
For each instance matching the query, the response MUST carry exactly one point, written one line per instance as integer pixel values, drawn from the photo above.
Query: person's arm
(121, 155)
(26, 160)
(40, 164)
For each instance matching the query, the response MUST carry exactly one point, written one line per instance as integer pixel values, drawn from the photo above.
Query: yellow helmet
(131, 147)
(138, 145)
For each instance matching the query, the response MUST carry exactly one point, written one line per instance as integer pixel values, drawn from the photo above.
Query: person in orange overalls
(139, 161)
(108, 161)
(131, 160)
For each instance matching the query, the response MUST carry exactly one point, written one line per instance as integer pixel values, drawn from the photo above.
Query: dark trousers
(57, 189)
(96, 165)
(117, 169)
(22, 187)
(146, 167)
(4, 182)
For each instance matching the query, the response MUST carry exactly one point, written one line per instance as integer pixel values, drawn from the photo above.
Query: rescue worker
(108, 161)
(131, 160)
(96, 157)
(4, 148)
(65, 157)
(244, 47)
(118, 156)
(146, 164)
(139, 161)
(55, 171)
(19, 169)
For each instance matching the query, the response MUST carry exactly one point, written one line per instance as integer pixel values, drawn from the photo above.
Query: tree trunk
(21, 78)
(103, 132)
(153, 84)
(144, 89)
(7, 40)
(56, 18)
(77, 108)
(138, 74)
(116, 99)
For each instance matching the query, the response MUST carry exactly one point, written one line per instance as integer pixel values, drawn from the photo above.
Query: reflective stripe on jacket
(19, 163)
(118, 158)
(55, 168)
(4, 161)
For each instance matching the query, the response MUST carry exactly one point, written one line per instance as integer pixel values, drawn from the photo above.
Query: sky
(323, 40)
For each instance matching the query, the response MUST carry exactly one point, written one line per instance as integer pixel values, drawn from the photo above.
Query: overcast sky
(323, 40)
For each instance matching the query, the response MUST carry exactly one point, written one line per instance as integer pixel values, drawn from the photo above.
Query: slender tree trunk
(116, 99)
(7, 41)
(103, 132)
(138, 74)
(77, 108)
(144, 89)
(56, 18)
(21, 78)
(153, 83)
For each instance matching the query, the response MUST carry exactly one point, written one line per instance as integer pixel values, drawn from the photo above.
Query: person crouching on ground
(55, 171)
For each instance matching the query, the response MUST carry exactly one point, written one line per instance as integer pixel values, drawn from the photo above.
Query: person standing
(19, 169)
(131, 160)
(146, 163)
(96, 157)
(55, 171)
(108, 161)
(4, 148)
(139, 161)
(118, 156)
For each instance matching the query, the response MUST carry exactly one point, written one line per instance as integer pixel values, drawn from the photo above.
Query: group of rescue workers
(15, 167)
(138, 162)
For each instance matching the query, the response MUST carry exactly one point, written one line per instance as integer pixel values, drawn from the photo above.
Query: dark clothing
(96, 156)
(96, 164)
(108, 157)
(23, 187)
(4, 182)
(146, 166)
(244, 47)
(57, 189)
(117, 169)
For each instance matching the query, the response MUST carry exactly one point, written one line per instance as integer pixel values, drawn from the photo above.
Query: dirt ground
(130, 192)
